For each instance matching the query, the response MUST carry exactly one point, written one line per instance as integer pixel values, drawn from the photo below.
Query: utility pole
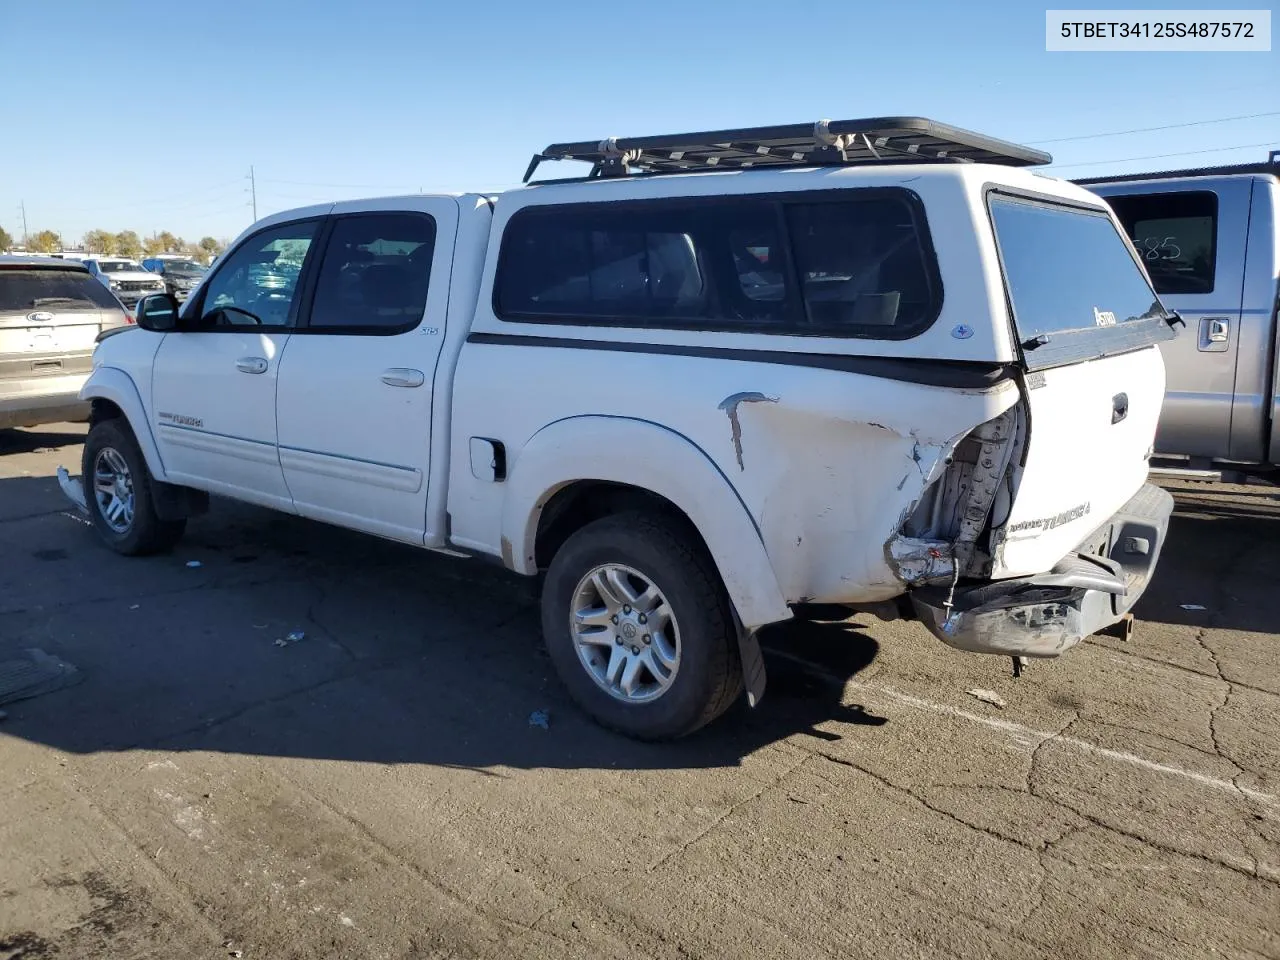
(253, 190)
(22, 205)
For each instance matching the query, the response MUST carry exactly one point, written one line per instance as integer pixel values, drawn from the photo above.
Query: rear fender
(116, 386)
(654, 458)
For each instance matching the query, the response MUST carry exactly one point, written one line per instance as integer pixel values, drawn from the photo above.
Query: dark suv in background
(52, 313)
(180, 276)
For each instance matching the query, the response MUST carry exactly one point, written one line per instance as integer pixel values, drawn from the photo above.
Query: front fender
(647, 455)
(113, 384)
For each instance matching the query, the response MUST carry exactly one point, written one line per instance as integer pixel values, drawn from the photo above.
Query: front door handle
(403, 377)
(1215, 334)
(251, 365)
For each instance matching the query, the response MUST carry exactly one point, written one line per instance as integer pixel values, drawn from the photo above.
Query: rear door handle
(1215, 334)
(403, 377)
(251, 365)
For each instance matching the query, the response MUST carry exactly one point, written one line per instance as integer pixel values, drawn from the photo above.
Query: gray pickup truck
(1210, 239)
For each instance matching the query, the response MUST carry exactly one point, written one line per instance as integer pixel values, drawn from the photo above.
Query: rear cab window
(847, 263)
(1074, 288)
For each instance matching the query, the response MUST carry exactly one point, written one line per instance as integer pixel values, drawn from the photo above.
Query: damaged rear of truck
(941, 402)
(1038, 527)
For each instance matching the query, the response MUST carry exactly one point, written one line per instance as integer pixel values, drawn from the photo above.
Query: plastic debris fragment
(988, 696)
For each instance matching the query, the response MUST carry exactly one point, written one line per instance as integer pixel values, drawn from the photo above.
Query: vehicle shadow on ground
(37, 441)
(407, 657)
(1221, 563)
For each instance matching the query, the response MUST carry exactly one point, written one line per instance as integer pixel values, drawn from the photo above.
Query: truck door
(354, 399)
(1191, 238)
(214, 381)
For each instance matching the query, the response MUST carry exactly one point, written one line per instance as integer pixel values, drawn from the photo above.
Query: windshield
(55, 290)
(183, 267)
(1067, 269)
(118, 266)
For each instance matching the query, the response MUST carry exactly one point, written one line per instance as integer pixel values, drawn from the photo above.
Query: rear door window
(1072, 282)
(375, 274)
(28, 291)
(1175, 235)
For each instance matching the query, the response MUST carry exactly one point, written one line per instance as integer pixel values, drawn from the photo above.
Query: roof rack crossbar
(825, 143)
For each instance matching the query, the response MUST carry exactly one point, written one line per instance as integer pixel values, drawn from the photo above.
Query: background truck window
(1175, 235)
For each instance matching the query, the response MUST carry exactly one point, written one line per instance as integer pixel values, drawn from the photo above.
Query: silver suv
(52, 313)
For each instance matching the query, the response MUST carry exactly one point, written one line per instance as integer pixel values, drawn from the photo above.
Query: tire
(111, 442)
(697, 624)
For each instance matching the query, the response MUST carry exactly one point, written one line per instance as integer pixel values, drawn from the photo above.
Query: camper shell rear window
(1074, 288)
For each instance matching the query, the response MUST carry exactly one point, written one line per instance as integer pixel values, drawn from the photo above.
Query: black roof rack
(1271, 165)
(827, 142)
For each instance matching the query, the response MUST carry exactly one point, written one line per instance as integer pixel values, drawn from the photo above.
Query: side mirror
(158, 313)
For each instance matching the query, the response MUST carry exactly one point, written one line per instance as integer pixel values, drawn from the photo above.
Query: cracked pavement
(376, 789)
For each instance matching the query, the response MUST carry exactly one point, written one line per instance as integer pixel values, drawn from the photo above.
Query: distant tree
(192, 250)
(211, 247)
(100, 241)
(45, 241)
(6, 241)
(128, 244)
(169, 243)
(152, 245)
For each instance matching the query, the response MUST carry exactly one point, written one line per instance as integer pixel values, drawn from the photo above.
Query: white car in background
(127, 279)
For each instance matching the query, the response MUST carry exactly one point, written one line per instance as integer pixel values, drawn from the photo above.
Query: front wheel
(639, 628)
(118, 493)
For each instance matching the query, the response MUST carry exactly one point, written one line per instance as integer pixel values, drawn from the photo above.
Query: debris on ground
(540, 718)
(292, 637)
(35, 673)
(194, 563)
(134, 606)
(1194, 606)
(73, 489)
(988, 696)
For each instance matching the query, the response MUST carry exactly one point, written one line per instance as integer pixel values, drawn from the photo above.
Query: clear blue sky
(147, 116)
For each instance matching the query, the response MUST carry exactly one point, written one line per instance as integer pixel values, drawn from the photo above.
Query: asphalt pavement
(375, 788)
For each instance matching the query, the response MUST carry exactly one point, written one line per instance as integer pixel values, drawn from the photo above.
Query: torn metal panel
(953, 509)
(994, 449)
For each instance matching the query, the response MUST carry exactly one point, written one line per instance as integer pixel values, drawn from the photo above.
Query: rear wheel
(118, 493)
(639, 628)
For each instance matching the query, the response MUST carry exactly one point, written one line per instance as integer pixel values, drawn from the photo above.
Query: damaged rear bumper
(1045, 615)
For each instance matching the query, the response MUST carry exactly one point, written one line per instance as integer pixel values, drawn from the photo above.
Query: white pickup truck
(1210, 240)
(870, 363)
